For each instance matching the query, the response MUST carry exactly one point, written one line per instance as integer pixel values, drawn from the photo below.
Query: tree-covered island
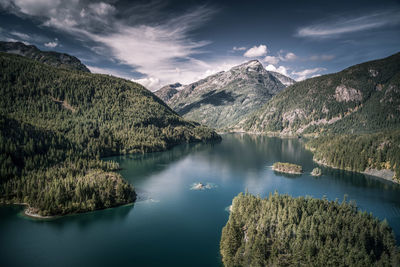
(284, 231)
(287, 168)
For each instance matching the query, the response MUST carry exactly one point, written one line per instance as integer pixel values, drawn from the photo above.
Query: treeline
(358, 152)
(56, 124)
(284, 231)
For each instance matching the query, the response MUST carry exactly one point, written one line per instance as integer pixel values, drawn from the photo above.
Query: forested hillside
(354, 113)
(362, 98)
(57, 123)
(359, 152)
(284, 231)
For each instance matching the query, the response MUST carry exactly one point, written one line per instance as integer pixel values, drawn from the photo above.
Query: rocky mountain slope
(361, 98)
(168, 91)
(51, 58)
(282, 78)
(223, 99)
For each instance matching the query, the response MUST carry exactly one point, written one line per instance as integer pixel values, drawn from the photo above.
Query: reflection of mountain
(140, 166)
(358, 179)
(243, 152)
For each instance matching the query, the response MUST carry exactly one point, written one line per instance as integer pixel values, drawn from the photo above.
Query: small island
(316, 172)
(287, 168)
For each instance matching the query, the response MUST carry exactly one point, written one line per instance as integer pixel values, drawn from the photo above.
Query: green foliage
(284, 231)
(347, 127)
(358, 152)
(57, 123)
(287, 167)
(312, 107)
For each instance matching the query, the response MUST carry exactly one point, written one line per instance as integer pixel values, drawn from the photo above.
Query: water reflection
(178, 224)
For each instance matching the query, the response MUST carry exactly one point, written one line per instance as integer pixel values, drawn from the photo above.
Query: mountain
(354, 113)
(168, 91)
(223, 99)
(282, 78)
(361, 98)
(51, 58)
(56, 124)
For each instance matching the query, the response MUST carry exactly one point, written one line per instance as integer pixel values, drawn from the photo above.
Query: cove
(172, 224)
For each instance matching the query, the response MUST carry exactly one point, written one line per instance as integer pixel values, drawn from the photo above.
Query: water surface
(174, 225)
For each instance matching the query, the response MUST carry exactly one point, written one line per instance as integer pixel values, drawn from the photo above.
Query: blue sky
(162, 42)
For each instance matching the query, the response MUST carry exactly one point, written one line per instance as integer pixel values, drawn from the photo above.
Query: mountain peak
(223, 99)
(254, 63)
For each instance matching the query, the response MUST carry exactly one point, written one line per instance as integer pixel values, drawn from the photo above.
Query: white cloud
(100, 9)
(338, 26)
(161, 50)
(256, 51)
(31, 7)
(51, 44)
(271, 60)
(20, 35)
(14, 40)
(281, 69)
(108, 71)
(241, 48)
(304, 74)
(288, 57)
(148, 82)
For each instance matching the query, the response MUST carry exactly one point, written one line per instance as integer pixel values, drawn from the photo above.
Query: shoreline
(30, 213)
(288, 172)
(381, 174)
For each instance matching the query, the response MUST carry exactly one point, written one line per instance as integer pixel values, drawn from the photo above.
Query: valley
(361, 102)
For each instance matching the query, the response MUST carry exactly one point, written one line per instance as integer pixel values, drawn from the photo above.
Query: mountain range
(225, 98)
(358, 107)
(63, 119)
(362, 98)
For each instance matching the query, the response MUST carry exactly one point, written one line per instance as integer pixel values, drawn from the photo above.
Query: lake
(173, 225)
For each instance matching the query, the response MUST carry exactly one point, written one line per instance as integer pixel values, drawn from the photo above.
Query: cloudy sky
(162, 42)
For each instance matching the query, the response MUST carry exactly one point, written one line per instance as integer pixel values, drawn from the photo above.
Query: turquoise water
(174, 225)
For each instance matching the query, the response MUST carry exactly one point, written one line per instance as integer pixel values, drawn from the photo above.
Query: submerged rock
(201, 186)
(316, 172)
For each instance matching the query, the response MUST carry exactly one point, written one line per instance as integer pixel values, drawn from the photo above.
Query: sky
(157, 43)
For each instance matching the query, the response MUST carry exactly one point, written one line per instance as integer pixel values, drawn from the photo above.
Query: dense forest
(358, 152)
(56, 124)
(284, 231)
